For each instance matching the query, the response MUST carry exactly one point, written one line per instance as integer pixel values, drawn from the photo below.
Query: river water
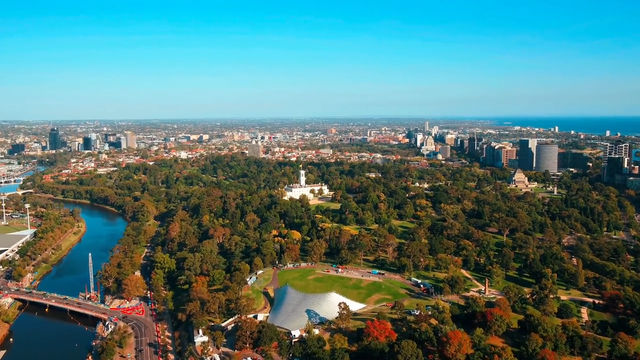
(54, 334)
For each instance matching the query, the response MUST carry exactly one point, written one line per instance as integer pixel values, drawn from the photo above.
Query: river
(55, 334)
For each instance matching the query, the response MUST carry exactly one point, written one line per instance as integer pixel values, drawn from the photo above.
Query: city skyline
(79, 61)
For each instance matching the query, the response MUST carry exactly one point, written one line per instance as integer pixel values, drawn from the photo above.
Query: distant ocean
(589, 125)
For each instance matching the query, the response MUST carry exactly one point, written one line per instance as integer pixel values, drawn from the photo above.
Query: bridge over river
(142, 325)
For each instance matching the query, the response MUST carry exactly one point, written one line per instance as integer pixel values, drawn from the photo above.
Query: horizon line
(340, 117)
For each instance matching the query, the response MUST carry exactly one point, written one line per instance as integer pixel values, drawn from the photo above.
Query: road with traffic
(142, 325)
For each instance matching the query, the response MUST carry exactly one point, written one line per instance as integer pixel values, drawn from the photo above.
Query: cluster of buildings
(91, 142)
(621, 164)
(426, 141)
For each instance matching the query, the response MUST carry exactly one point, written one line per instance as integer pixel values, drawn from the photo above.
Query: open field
(5, 229)
(326, 205)
(364, 291)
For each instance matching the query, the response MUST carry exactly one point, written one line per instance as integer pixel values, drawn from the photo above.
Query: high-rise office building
(426, 127)
(618, 149)
(429, 144)
(17, 149)
(547, 157)
(88, 143)
(131, 139)
(54, 139)
(255, 150)
(527, 154)
(445, 151)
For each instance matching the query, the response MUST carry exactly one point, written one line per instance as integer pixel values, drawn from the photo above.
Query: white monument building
(294, 191)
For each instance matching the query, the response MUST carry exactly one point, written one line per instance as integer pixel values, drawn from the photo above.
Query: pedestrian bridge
(19, 192)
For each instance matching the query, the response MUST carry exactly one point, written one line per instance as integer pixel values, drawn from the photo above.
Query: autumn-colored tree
(133, 286)
(547, 354)
(503, 304)
(379, 330)
(316, 249)
(344, 315)
(338, 341)
(496, 321)
(456, 345)
(622, 347)
(247, 332)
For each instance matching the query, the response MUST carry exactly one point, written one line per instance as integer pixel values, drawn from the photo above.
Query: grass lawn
(421, 304)
(368, 292)
(255, 290)
(595, 315)
(256, 295)
(5, 229)
(327, 205)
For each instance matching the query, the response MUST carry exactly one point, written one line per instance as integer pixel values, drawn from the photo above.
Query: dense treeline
(213, 221)
(54, 221)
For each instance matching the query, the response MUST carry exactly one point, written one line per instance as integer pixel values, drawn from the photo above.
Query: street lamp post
(27, 206)
(4, 214)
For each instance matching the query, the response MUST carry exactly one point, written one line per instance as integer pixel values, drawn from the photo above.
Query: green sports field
(368, 292)
(4, 229)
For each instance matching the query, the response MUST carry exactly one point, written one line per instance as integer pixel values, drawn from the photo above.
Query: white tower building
(303, 179)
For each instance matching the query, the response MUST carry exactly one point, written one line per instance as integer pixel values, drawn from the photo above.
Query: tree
(517, 297)
(456, 345)
(267, 336)
(566, 310)
(257, 264)
(503, 304)
(532, 346)
(311, 347)
(407, 350)
(316, 249)
(622, 347)
(133, 286)
(344, 315)
(544, 292)
(547, 354)
(338, 341)
(246, 333)
(218, 339)
(496, 321)
(455, 282)
(379, 330)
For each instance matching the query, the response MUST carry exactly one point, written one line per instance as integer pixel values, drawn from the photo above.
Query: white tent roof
(292, 309)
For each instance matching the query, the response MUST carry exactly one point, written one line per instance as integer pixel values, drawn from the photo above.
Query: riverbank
(76, 201)
(60, 335)
(68, 241)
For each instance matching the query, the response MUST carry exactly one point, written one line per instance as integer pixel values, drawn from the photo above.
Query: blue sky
(189, 59)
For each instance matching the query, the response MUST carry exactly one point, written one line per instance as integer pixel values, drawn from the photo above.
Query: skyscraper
(254, 150)
(131, 139)
(54, 139)
(619, 149)
(547, 157)
(87, 143)
(527, 154)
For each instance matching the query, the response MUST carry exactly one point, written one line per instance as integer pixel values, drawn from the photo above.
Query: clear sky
(189, 59)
